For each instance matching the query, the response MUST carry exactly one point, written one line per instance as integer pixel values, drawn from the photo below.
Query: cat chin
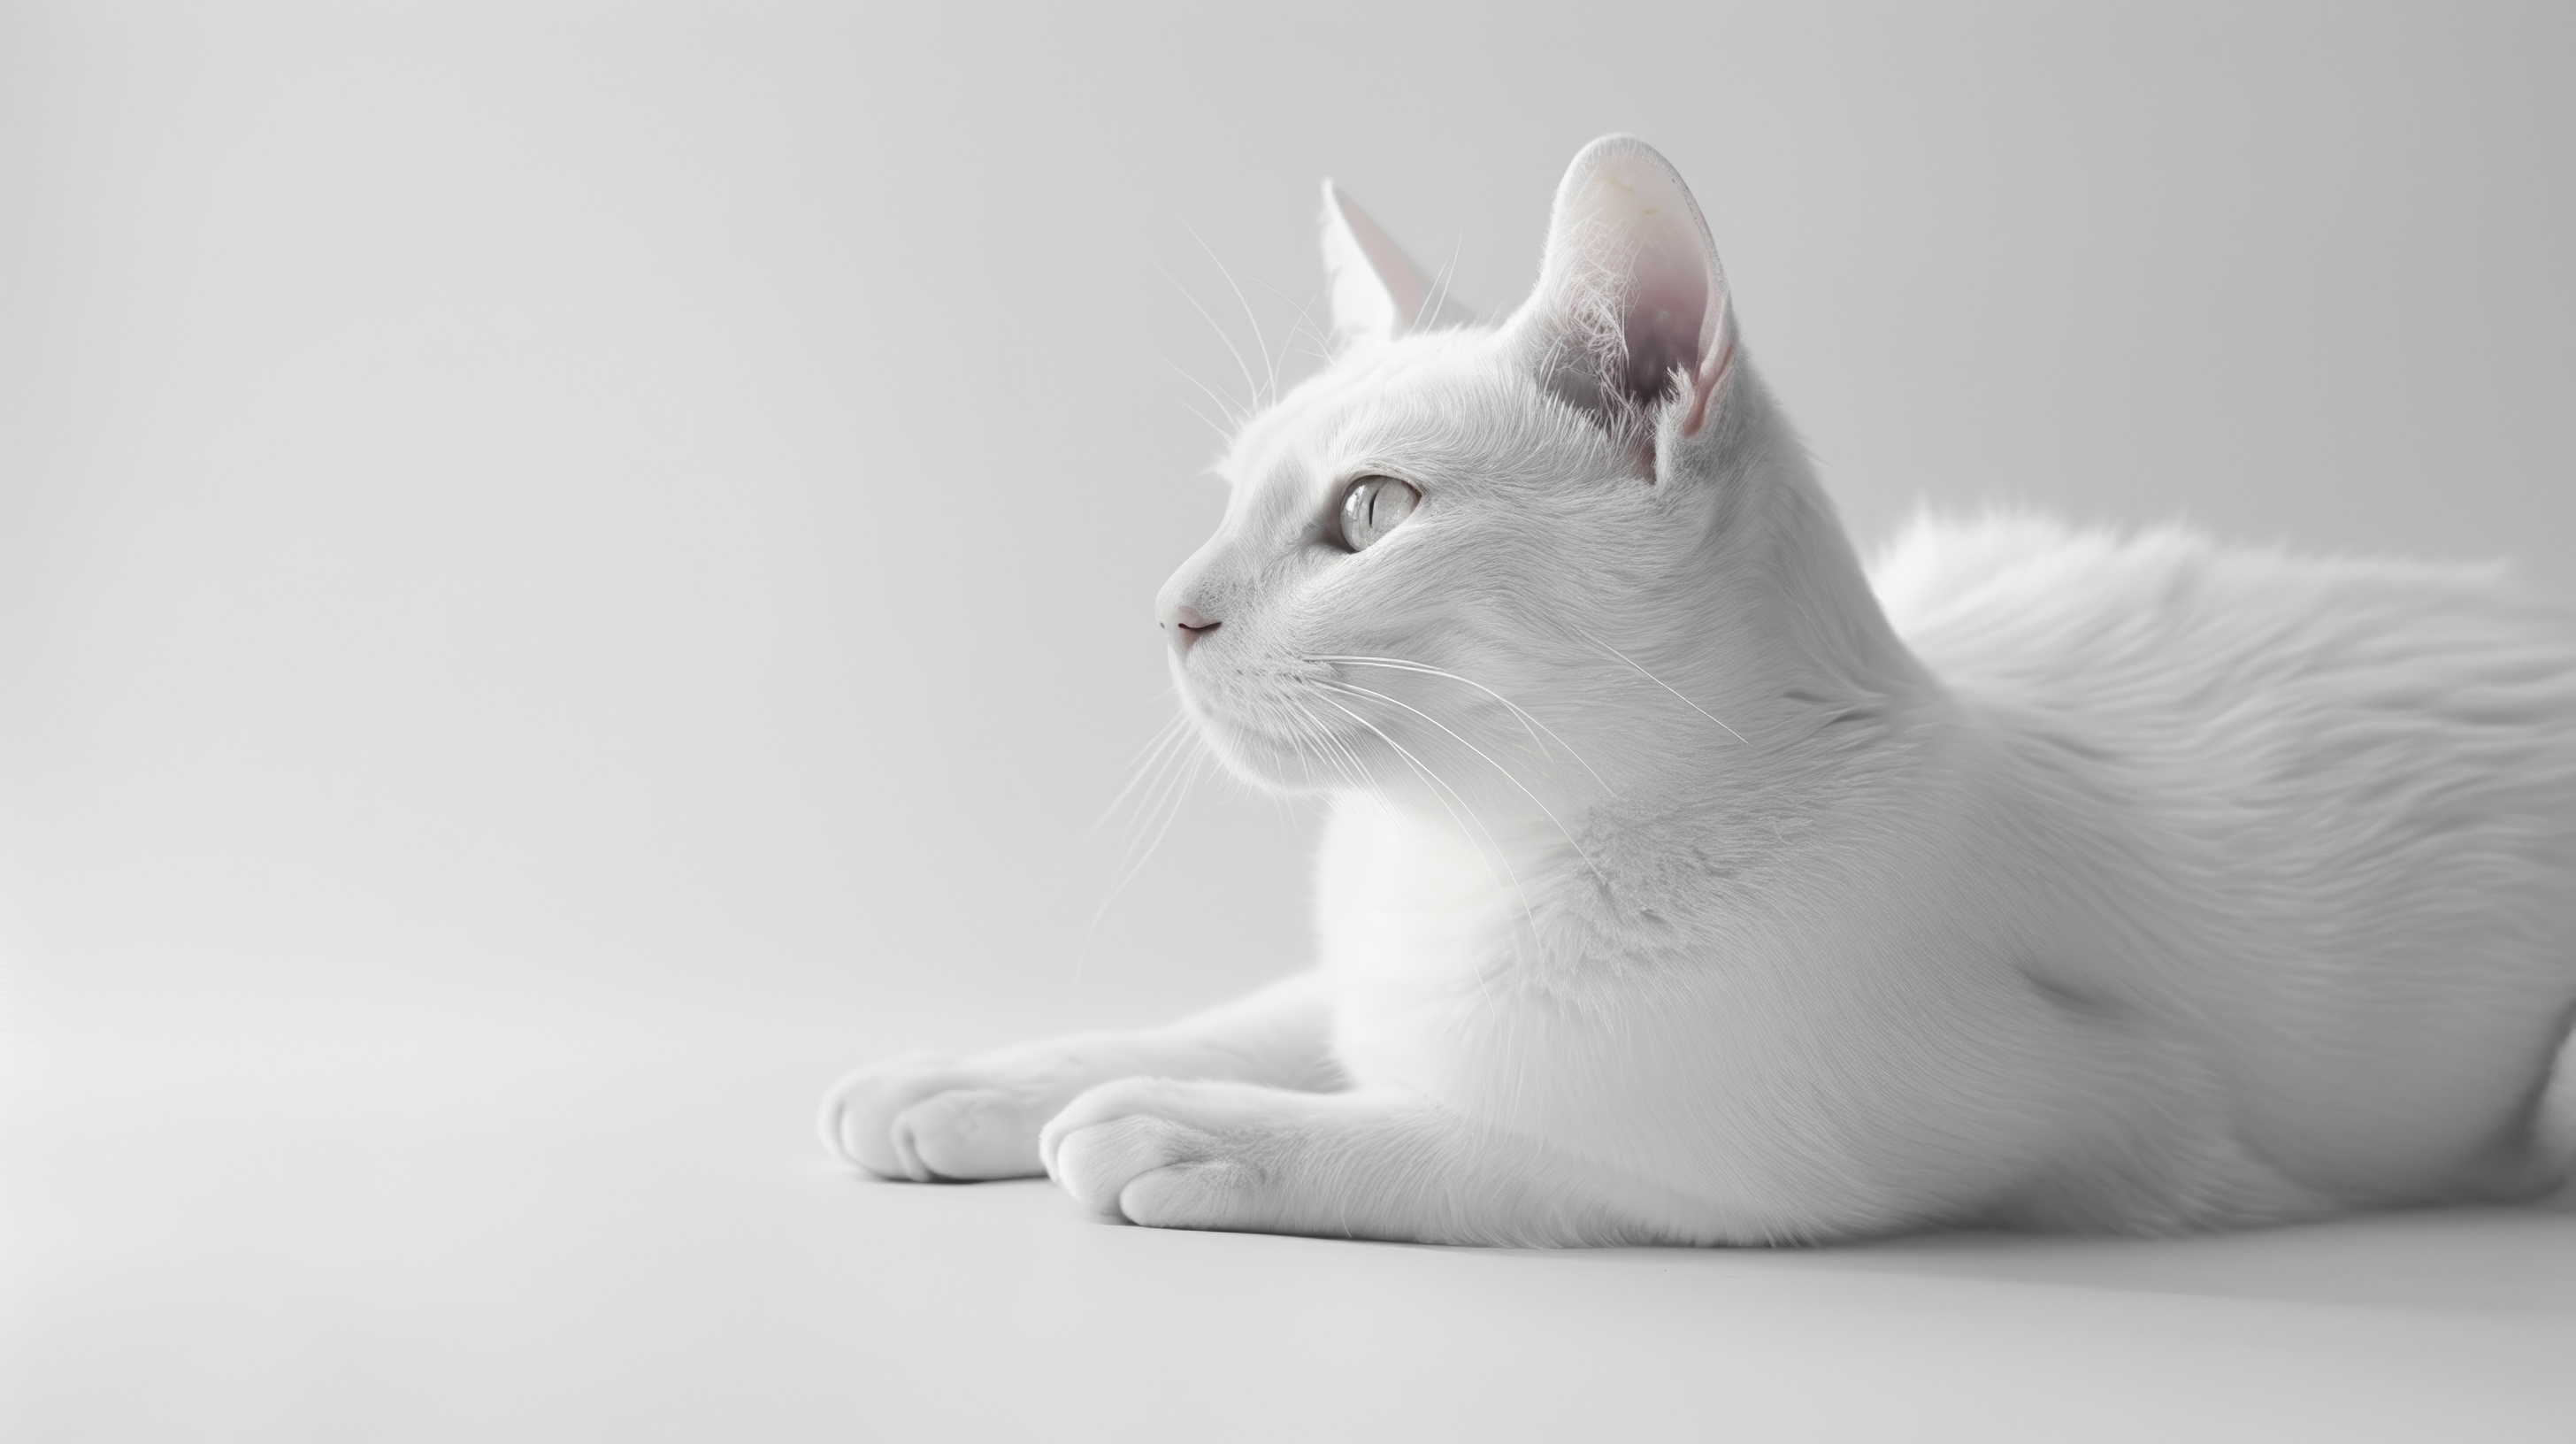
(1264, 760)
(1270, 764)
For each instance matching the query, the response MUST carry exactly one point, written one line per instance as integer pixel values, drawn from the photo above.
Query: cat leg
(927, 1117)
(1371, 1163)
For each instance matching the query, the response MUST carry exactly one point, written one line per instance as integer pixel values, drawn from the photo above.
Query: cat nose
(1186, 625)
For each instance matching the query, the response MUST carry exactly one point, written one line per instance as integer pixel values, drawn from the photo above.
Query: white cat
(1682, 888)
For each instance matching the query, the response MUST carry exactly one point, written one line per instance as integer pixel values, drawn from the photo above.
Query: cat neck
(1769, 642)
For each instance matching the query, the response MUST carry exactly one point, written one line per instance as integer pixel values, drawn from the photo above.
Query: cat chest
(1431, 947)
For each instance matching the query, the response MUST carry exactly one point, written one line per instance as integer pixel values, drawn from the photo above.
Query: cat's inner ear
(1379, 292)
(1631, 309)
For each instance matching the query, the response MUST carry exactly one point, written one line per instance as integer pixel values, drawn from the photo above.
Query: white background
(566, 575)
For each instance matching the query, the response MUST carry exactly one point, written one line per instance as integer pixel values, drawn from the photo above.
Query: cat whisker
(1171, 783)
(1295, 736)
(1508, 774)
(1178, 801)
(1442, 792)
(1303, 326)
(1354, 769)
(1249, 384)
(1294, 727)
(1224, 433)
(1660, 682)
(1183, 741)
(1440, 284)
(1137, 766)
(1299, 727)
(1203, 420)
(1529, 722)
(1348, 774)
(1519, 956)
(1260, 343)
(1156, 775)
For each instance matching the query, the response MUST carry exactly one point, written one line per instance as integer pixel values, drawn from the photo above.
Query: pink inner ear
(1630, 292)
(1667, 308)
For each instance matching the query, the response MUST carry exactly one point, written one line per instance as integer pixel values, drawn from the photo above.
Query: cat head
(1440, 544)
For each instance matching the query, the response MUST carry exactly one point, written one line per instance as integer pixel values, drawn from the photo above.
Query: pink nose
(1187, 625)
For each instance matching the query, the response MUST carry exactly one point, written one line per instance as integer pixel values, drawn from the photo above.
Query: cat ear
(1379, 293)
(1630, 291)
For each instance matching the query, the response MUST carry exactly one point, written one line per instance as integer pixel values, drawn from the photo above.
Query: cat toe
(1160, 1097)
(1212, 1193)
(858, 1112)
(1122, 1152)
(1097, 1163)
(843, 1123)
(972, 1133)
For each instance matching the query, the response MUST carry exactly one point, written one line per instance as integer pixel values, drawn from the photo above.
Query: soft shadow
(2514, 1260)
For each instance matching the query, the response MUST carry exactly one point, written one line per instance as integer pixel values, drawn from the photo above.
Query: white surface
(568, 573)
(544, 1232)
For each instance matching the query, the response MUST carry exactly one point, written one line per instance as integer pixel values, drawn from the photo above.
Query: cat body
(1685, 884)
(2288, 949)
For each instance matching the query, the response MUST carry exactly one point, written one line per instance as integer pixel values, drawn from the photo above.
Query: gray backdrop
(566, 574)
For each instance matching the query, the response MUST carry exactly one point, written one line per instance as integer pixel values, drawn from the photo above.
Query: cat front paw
(929, 1118)
(1168, 1154)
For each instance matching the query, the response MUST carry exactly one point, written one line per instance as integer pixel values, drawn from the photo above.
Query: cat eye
(1372, 508)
